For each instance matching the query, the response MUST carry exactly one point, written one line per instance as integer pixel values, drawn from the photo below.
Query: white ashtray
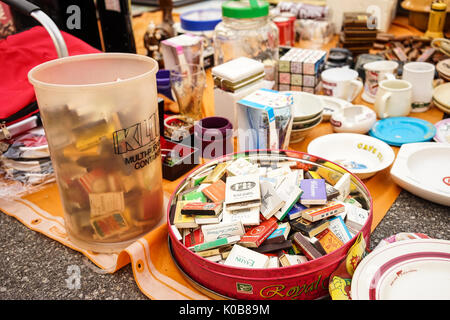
(353, 119)
(305, 105)
(360, 154)
(332, 105)
(423, 169)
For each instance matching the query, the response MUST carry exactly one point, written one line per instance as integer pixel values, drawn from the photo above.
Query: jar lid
(200, 20)
(245, 9)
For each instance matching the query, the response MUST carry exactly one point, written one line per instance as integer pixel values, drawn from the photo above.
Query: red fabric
(21, 52)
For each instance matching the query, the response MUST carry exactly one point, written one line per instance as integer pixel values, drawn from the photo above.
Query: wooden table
(381, 185)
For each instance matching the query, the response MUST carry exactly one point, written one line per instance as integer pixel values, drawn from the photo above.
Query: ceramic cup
(375, 72)
(393, 98)
(420, 75)
(342, 83)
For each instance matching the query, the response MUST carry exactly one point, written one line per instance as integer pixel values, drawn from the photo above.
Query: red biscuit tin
(306, 281)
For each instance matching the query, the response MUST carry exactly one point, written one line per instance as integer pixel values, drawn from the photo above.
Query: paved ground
(33, 266)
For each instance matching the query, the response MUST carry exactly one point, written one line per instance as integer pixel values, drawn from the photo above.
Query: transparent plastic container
(100, 116)
(247, 31)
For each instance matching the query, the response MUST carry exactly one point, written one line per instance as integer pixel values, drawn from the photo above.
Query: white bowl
(298, 135)
(360, 154)
(296, 125)
(305, 105)
(353, 119)
(423, 169)
(332, 105)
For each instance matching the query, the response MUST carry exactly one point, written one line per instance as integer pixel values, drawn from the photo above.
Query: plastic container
(247, 31)
(306, 281)
(100, 115)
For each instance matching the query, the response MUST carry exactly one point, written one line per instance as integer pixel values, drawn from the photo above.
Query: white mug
(393, 98)
(375, 72)
(420, 75)
(342, 83)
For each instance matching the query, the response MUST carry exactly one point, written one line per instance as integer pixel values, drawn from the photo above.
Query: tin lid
(245, 9)
(200, 20)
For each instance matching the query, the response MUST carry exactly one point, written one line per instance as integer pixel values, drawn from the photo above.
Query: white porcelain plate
(416, 269)
(360, 154)
(424, 170)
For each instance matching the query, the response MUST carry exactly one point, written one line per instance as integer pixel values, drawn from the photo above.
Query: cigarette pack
(353, 201)
(193, 237)
(272, 247)
(242, 192)
(176, 232)
(291, 259)
(314, 191)
(338, 227)
(208, 219)
(308, 228)
(331, 192)
(312, 175)
(281, 171)
(306, 246)
(210, 253)
(217, 173)
(356, 217)
(216, 191)
(296, 211)
(194, 195)
(316, 243)
(110, 225)
(215, 244)
(256, 235)
(318, 213)
(182, 220)
(248, 217)
(270, 201)
(222, 230)
(290, 194)
(201, 208)
(246, 258)
(273, 262)
(329, 240)
(280, 234)
(343, 186)
(241, 167)
(105, 203)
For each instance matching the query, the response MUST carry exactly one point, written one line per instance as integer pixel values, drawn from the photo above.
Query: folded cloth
(19, 53)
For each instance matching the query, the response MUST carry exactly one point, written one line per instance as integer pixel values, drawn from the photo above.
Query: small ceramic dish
(442, 131)
(441, 95)
(422, 169)
(353, 119)
(360, 154)
(332, 105)
(305, 105)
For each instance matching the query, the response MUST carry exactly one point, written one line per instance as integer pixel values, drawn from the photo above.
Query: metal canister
(284, 28)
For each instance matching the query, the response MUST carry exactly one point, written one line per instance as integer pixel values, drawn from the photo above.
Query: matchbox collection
(267, 214)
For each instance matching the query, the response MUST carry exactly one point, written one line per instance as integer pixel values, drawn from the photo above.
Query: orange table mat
(154, 270)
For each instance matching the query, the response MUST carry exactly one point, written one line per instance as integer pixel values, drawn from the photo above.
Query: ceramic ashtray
(332, 105)
(353, 119)
(360, 154)
(442, 131)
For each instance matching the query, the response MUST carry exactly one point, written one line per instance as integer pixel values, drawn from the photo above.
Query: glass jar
(247, 31)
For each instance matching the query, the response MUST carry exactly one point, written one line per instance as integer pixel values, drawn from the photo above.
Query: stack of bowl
(441, 97)
(307, 111)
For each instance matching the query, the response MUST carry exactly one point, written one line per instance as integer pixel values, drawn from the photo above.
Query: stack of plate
(443, 68)
(441, 97)
(307, 113)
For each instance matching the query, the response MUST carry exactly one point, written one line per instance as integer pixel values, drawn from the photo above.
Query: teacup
(393, 98)
(342, 83)
(375, 72)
